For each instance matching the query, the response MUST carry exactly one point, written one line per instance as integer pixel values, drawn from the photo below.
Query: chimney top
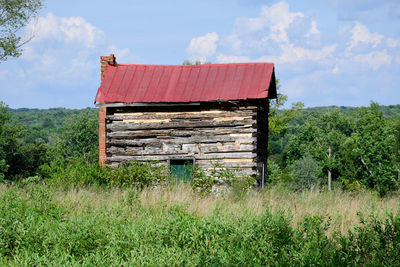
(105, 61)
(109, 59)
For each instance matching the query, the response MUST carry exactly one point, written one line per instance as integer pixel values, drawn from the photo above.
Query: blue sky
(332, 52)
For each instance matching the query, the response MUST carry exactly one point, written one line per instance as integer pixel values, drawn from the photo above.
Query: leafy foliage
(79, 172)
(305, 172)
(4, 139)
(44, 124)
(79, 137)
(17, 159)
(197, 62)
(36, 228)
(279, 119)
(204, 182)
(396, 126)
(322, 136)
(14, 15)
(370, 156)
(136, 174)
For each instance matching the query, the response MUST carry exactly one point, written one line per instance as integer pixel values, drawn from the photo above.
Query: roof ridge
(196, 66)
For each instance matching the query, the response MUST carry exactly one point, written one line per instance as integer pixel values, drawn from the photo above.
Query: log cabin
(186, 114)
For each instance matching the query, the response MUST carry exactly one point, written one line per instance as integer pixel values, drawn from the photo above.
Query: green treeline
(350, 148)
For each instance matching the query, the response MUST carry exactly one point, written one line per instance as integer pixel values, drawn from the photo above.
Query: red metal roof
(130, 83)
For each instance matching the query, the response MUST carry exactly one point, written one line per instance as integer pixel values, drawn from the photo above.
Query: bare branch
(365, 165)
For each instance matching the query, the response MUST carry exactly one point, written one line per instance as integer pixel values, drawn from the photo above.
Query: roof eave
(163, 104)
(119, 104)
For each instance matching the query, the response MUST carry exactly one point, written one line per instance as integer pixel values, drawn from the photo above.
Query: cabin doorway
(181, 169)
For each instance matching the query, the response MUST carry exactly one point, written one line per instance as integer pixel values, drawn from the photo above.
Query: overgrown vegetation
(205, 182)
(43, 225)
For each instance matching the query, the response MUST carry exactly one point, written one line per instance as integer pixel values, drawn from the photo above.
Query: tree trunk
(398, 173)
(329, 180)
(329, 170)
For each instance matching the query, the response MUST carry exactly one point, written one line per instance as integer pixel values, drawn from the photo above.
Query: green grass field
(94, 226)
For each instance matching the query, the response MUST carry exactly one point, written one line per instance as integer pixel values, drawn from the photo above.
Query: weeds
(43, 225)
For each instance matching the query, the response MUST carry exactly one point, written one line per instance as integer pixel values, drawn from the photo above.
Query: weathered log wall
(208, 133)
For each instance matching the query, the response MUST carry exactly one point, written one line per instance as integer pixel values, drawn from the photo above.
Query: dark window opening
(181, 169)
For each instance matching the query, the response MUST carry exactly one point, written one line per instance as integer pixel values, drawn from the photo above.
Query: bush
(274, 173)
(78, 172)
(26, 160)
(74, 172)
(136, 174)
(305, 172)
(204, 181)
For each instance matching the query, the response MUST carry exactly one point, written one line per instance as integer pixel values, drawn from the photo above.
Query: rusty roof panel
(130, 83)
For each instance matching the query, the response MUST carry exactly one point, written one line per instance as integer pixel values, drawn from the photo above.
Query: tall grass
(341, 208)
(43, 225)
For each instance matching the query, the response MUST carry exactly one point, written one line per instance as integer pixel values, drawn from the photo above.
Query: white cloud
(252, 24)
(234, 42)
(65, 50)
(279, 19)
(72, 29)
(270, 37)
(317, 70)
(123, 55)
(258, 33)
(313, 29)
(232, 59)
(203, 46)
(292, 54)
(375, 59)
(266, 38)
(276, 18)
(77, 29)
(44, 27)
(393, 43)
(361, 35)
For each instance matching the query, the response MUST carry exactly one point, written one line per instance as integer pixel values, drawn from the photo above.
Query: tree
(370, 157)
(397, 144)
(14, 15)
(8, 139)
(17, 159)
(279, 120)
(4, 118)
(305, 172)
(322, 136)
(78, 138)
(197, 62)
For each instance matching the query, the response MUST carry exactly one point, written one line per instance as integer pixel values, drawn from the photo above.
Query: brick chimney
(105, 62)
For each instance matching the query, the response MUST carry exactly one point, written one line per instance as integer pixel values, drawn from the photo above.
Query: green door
(181, 169)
